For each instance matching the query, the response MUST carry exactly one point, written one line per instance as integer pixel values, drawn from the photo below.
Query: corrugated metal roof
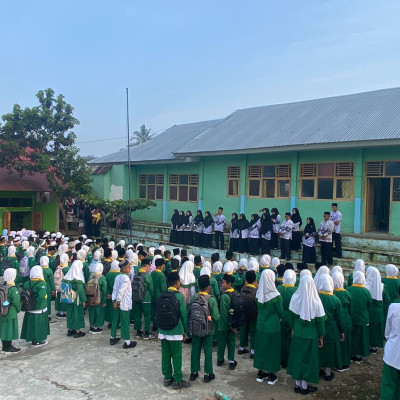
(161, 147)
(369, 116)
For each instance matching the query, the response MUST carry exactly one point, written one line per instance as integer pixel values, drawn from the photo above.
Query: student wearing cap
(325, 231)
(159, 286)
(285, 233)
(336, 218)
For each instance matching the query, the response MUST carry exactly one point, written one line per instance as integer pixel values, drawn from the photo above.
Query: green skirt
(267, 351)
(35, 327)
(286, 340)
(110, 311)
(330, 355)
(375, 334)
(75, 317)
(303, 360)
(360, 340)
(345, 347)
(58, 305)
(9, 328)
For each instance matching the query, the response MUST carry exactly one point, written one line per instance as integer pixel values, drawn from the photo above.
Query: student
(173, 236)
(265, 262)
(97, 313)
(286, 290)
(61, 308)
(159, 286)
(198, 225)
(110, 278)
(276, 220)
(197, 266)
(75, 310)
(360, 303)
(219, 226)
(51, 251)
(107, 261)
(265, 231)
(359, 265)
(390, 388)
(30, 253)
(306, 319)
(142, 305)
(391, 282)
(254, 266)
(280, 271)
(267, 359)
(309, 242)
(187, 281)
(9, 322)
(188, 229)
(226, 334)
(11, 258)
(35, 326)
(285, 233)
(295, 244)
(380, 299)
(180, 227)
(217, 271)
(330, 354)
(254, 234)
(243, 227)
(175, 265)
(207, 230)
(167, 261)
(214, 289)
(345, 300)
(325, 231)
(48, 277)
(248, 294)
(336, 218)
(205, 341)
(323, 270)
(171, 339)
(3, 247)
(122, 304)
(234, 233)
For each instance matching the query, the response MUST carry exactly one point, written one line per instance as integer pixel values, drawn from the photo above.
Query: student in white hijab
(206, 264)
(303, 363)
(153, 262)
(111, 245)
(206, 270)
(235, 266)
(228, 268)
(243, 263)
(323, 270)
(305, 272)
(49, 278)
(96, 260)
(188, 280)
(110, 278)
(392, 283)
(336, 268)
(114, 255)
(267, 359)
(253, 266)
(122, 244)
(359, 265)
(97, 311)
(265, 262)
(191, 257)
(275, 262)
(217, 270)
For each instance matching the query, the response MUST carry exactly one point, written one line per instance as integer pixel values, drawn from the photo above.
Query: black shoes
(79, 334)
(139, 334)
(232, 365)
(243, 351)
(131, 345)
(356, 359)
(10, 350)
(114, 341)
(148, 336)
(373, 350)
(344, 368)
(71, 332)
(180, 385)
(261, 376)
(310, 389)
(193, 376)
(272, 379)
(168, 382)
(220, 363)
(39, 344)
(209, 378)
(329, 377)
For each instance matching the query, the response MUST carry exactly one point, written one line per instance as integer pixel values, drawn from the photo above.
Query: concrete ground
(89, 368)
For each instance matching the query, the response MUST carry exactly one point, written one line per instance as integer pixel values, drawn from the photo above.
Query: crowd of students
(284, 319)
(264, 231)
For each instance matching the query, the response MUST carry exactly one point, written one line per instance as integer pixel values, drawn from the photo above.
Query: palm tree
(141, 136)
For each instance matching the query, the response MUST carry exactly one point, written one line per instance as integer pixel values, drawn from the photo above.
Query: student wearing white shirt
(285, 232)
(219, 225)
(325, 231)
(336, 218)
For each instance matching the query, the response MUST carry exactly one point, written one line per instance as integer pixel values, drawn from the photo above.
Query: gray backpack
(24, 270)
(199, 323)
(3, 299)
(138, 288)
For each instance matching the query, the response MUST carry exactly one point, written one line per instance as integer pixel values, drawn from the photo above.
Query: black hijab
(175, 218)
(254, 219)
(296, 217)
(198, 219)
(266, 223)
(310, 228)
(187, 217)
(242, 222)
(181, 219)
(274, 212)
(208, 220)
(234, 222)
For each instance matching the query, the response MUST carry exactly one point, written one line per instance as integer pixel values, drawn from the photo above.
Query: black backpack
(138, 288)
(167, 311)
(250, 305)
(199, 323)
(39, 254)
(237, 311)
(28, 301)
(5, 264)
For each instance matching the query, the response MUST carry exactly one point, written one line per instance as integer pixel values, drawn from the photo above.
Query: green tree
(40, 140)
(141, 136)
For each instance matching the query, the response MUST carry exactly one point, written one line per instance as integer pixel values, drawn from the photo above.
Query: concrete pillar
(165, 196)
(243, 184)
(294, 187)
(358, 189)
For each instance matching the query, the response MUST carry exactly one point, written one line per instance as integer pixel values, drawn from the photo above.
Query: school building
(306, 154)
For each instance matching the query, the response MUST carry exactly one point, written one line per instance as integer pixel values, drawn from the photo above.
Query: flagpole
(129, 168)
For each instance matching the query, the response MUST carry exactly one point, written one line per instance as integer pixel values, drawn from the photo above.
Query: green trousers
(390, 388)
(121, 317)
(249, 328)
(139, 309)
(171, 350)
(96, 316)
(226, 338)
(207, 343)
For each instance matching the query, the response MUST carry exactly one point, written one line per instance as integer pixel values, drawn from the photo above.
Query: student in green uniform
(159, 286)
(229, 270)
(217, 273)
(35, 326)
(345, 300)
(30, 252)
(380, 300)
(107, 261)
(286, 290)
(48, 277)
(392, 285)
(206, 270)
(306, 318)
(14, 262)
(226, 334)
(265, 262)
(64, 266)
(143, 307)
(198, 264)
(360, 304)
(167, 260)
(254, 266)
(75, 311)
(81, 256)
(51, 250)
(267, 359)
(205, 341)
(9, 322)
(171, 340)
(110, 278)
(390, 388)
(97, 313)
(330, 354)
(3, 248)
(280, 271)
(248, 293)
(359, 265)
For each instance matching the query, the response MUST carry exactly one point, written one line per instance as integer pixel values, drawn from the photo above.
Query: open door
(369, 217)
(37, 221)
(6, 220)
(378, 205)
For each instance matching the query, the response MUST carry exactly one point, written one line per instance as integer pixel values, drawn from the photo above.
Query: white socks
(304, 384)
(128, 342)
(298, 383)
(328, 371)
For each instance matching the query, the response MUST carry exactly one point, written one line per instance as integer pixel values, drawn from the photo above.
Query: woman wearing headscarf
(243, 227)
(75, 310)
(345, 300)
(9, 322)
(359, 265)
(97, 312)
(253, 265)
(267, 359)
(188, 229)
(360, 305)
(12, 258)
(276, 220)
(198, 225)
(296, 235)
(265, 262)
(380, 301)
(217, 271)
(323, 270)
(59, 274)
(35, 326)
(188, 281)
(81, 256)
(330, 354)
(307, 319)
(110, 278)
(206, 270)
(286, 290)
(391, 282)
(266, 231)
(234, 233)
(309, 242)
(49, 278)
(173, 236)
(254, 234)
(207, 229)
(180, 227)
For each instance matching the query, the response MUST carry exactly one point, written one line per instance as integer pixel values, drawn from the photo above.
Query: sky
(188, 61)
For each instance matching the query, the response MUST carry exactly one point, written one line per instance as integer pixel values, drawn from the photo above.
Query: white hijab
(289, 277)
(323, 270)
(122, 243)
(153, 262)
(359, 266)
(235, 266)
(266, 289)
(305, 301)
(275, 262)
(392, 270)
(62, 248)
(97, 255)
(115, 266)
(228, 267)
(81, 255)
(99, 268)
(11, 251)
(111, 245)
(217, 267)
(132, 257)
(75, 272)
(191, 257)
(338, 280)
(186, 273)
(162, 248)
(114, 254)
(325, 284)
(253, 266)
(265, 260)
(243, 263)
(30, 252)
(336, 268)
(151, 251)
(36, 273)
(305, 272)
(9, 275)
(44, 261)
(205, 270)
(207, 264)
(64, 259)
(359, 278)
(374, 283)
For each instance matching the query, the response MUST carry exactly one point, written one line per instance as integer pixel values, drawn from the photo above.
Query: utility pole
(129, 168)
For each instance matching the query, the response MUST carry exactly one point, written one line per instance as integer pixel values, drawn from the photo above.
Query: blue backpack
(67, 294)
